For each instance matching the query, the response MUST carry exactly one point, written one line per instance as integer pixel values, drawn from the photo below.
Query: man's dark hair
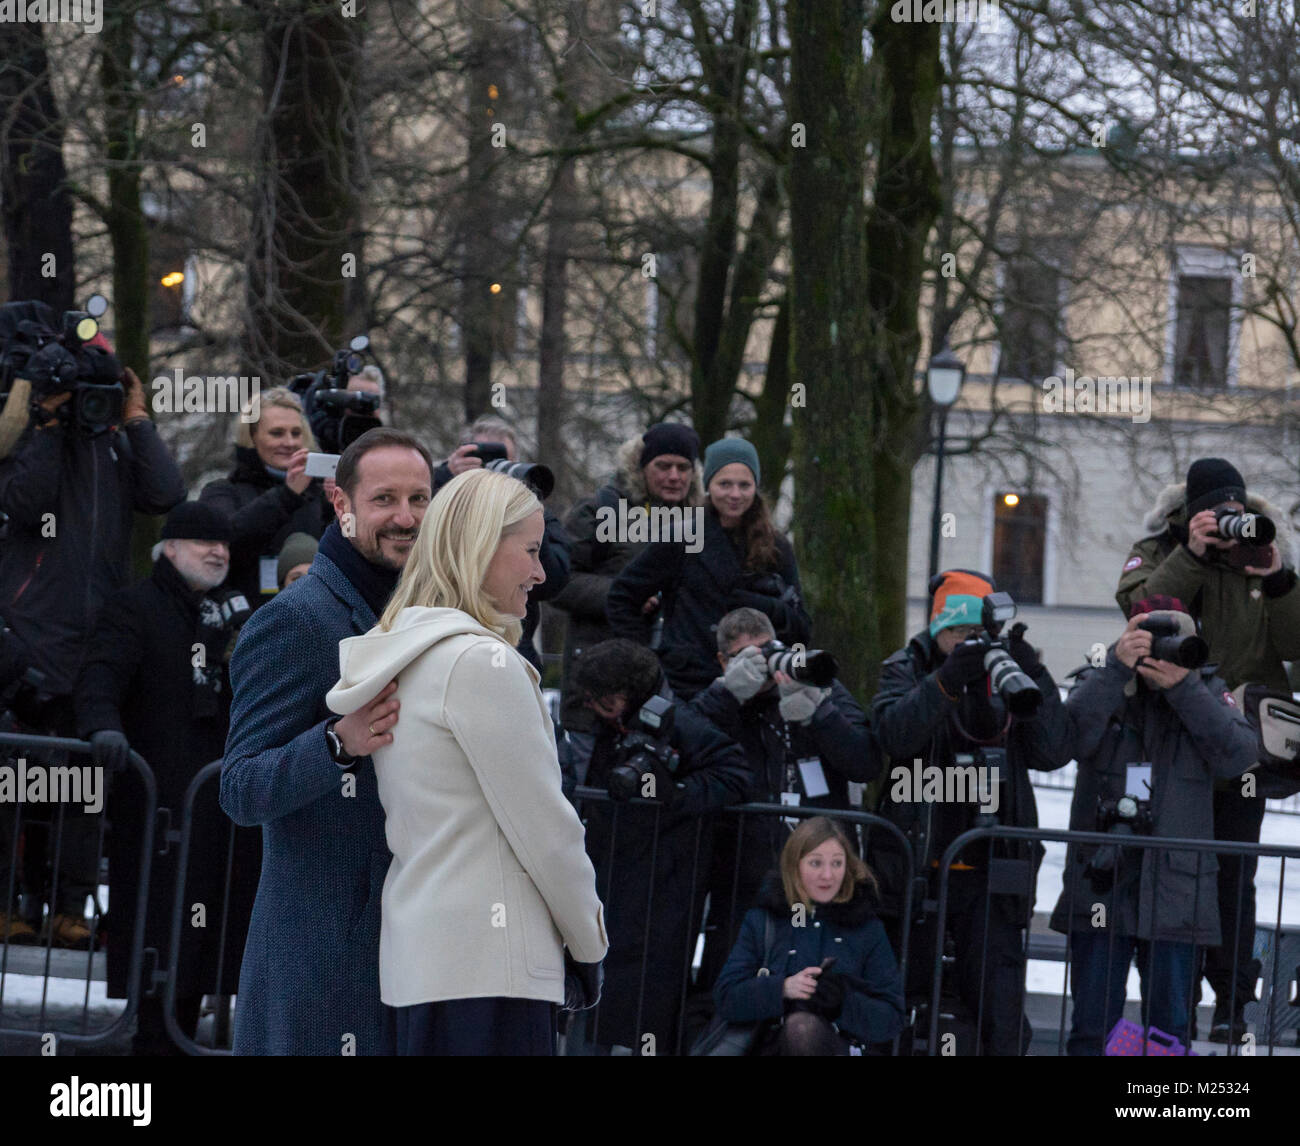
(617, 668)
(378, 438)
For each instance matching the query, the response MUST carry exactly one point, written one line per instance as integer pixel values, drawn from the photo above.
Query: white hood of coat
(367, 663)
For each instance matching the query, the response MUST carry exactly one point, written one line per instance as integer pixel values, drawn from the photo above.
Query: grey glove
(800, 701)
(746, 673)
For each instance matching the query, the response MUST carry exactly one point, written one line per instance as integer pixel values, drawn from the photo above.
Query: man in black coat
(650, 859)
(70, 493)
(934, 703)
(804, 745)
(156, 681)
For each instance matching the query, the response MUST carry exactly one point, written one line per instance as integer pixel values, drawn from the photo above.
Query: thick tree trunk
(305, 220)
(831, 340)
(905, 204)
(33, 196)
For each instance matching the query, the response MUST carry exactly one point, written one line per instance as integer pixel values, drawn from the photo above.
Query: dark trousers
(151, 1037)
(988, 972)
(1231, 967)
(735, 874)
(1099, 963)
(467, 1028)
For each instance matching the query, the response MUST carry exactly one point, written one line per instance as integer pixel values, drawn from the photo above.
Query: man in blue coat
(309, 984)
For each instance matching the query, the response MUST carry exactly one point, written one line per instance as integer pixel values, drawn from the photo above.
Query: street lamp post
(943, 378)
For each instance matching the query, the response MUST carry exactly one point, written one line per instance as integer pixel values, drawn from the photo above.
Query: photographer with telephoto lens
(677, 766)
(805, 741)
(959, 703)
(1227, 554)
(1151, 737)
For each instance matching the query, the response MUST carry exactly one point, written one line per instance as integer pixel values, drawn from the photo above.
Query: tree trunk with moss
(830, 332)
(905, 204)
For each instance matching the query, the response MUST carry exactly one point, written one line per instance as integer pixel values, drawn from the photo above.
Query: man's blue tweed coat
(310, 976)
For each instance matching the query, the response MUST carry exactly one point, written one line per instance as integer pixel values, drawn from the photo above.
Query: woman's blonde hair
(458, 537)
(280, 396)
(808, 837)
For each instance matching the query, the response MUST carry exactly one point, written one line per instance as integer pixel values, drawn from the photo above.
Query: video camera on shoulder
(40, 359)
(644, 751)
(1018, 691)
(1174, 638)
(338, 416)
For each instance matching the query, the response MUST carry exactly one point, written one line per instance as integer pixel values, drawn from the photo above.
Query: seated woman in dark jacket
(739, 561)
(828, 973)
(268, 495)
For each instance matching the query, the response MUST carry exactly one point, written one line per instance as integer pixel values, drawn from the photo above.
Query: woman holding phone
(813, 957)
(490, 916)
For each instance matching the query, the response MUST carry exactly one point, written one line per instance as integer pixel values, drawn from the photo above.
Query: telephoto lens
(538, 476)
(1253, 528)
(1018, 691)
(807, 666)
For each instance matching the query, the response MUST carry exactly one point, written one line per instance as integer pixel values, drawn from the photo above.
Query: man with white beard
(156, 680)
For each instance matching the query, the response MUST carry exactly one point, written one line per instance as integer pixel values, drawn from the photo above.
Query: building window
(1201, 341)
(1020, 545)
(1031, 318)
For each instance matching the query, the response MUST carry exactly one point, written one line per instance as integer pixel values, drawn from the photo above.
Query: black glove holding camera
(1021, 650)
(965, 664)
(582, 983)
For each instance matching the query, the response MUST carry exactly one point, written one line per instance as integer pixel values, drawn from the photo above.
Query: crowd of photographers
(686, 687)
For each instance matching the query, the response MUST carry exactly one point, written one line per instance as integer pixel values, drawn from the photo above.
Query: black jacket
(70, 501)
(849, 932)
(839, 734)
(697, 591)
(263, 511)
(621, 839)
(596, 561)
(917, 727)
(138, 679)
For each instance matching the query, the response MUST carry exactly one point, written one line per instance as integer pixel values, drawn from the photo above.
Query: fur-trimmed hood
(859, 910)
(629, 478)
(1170, 512)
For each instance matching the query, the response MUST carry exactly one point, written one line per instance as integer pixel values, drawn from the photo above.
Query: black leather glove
(109, 748)
(828, 1000)
(1022, 650)
(582, 983)
(964, 664)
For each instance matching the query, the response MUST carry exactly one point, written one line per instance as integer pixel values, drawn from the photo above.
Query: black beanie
(1212, 481)
(195, 521)
(669, 438)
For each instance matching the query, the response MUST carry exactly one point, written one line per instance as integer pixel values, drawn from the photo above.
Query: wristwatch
(337, 752)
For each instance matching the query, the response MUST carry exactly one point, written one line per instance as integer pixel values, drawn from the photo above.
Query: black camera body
(1018, 691)
(807, 666)
(59, 361)
(1125, 816)
(1174, 639)
(338, 416)
(644, 751)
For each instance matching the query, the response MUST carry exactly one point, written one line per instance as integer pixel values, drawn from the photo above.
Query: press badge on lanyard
(268, 580)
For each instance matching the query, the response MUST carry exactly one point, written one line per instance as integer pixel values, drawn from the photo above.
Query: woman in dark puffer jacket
(827, 975)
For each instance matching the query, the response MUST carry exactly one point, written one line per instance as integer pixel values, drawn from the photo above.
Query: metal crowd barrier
(694, 892)
(57, 963)
(1030, 836)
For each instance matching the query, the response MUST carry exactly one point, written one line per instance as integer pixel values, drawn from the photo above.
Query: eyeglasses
(965, 632)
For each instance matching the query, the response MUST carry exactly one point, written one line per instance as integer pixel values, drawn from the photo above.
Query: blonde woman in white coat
(490, 916)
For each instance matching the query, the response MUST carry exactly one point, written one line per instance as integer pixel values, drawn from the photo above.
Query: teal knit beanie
(728, 450)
